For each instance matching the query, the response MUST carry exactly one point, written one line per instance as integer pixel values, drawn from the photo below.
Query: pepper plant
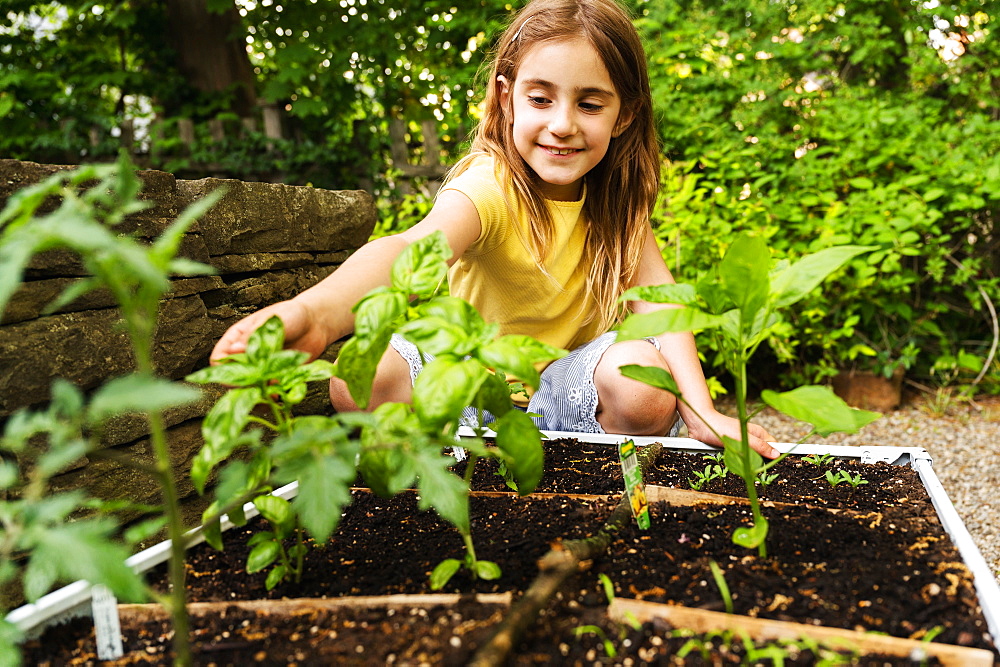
(92, 201)
(740, 302)
(398, 445)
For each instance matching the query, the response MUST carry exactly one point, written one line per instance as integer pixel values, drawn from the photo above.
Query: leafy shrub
(810, 132)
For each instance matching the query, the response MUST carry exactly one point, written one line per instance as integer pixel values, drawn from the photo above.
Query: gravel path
(963, 441)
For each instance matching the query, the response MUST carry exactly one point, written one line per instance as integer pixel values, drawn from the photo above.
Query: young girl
(548, 217)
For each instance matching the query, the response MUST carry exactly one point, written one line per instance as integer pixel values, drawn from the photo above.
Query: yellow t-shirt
(499, 276)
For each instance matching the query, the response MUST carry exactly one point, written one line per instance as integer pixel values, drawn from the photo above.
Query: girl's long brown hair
(622, 188)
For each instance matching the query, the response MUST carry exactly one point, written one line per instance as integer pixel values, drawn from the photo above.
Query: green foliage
(38, 526)
(819, 459)
(316, 451)
(338, 71)
(706, 647)
(817, 127)
(469, 368)
(740, 302)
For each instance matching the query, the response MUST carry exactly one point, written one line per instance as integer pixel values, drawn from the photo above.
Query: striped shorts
(566, 399)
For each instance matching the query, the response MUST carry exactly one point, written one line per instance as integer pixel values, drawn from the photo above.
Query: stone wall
(267, 242)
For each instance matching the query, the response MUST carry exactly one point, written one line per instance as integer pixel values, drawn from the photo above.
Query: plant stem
(139, 322)
(469, 468)
(299, 553)
(178, 598)
(749, 479)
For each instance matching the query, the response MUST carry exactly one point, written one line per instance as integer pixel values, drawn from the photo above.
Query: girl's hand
(724, 425)
(302, 332)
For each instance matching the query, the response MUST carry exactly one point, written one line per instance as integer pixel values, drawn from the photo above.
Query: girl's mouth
(561, 151)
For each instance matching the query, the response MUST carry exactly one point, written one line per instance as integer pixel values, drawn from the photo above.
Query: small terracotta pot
(870, 391)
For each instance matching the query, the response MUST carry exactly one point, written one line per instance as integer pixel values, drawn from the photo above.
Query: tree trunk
(211, 51)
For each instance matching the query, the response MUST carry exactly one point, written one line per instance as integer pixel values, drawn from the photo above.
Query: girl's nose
(562, 121)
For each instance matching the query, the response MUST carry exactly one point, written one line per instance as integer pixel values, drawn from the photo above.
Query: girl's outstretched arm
(322, 314)
(681, 355)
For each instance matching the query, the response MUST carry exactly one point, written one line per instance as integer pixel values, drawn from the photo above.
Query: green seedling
(709, 474)
(720, 581)
(607, 586)
(715, 470)
(740, 303)
(818, 459)
(702, 643)
(775, 652)
(842, 476)
(766, 479)
(609, 646)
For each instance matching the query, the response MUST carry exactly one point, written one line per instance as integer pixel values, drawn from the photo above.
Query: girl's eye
(591, 107)
(538, 101)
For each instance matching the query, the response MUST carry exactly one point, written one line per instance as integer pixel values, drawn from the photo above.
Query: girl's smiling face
(565, 112)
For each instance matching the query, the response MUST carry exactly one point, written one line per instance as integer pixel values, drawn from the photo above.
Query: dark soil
(385, 547)
(448, 635)
(854, 571)
(432, 635)
(866, 567)
(576, 467)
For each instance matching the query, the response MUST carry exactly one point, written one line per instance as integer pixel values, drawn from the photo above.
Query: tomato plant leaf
(442, 489)
(324, 491)
(138, 393)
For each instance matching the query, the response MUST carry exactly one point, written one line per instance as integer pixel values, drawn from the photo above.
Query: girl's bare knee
(630, 406)
(340, 396)
(391, 384)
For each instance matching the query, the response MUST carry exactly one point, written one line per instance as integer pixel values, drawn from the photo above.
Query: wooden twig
(555, 568)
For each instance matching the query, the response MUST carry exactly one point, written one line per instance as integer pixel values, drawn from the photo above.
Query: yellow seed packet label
(634, 486)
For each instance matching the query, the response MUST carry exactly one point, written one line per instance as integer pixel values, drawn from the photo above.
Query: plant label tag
(107, 627)
(634, 487)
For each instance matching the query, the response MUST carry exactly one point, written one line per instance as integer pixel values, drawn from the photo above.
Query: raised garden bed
(667, 564)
